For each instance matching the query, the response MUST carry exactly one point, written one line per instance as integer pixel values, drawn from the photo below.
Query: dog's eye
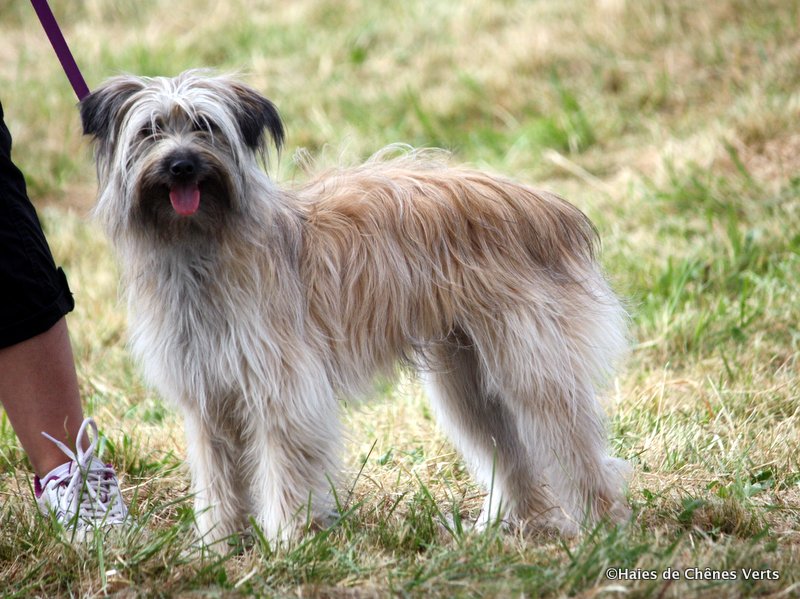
(205, 126)
(151, 129)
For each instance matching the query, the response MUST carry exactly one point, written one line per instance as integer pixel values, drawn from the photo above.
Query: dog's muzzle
(184, 191)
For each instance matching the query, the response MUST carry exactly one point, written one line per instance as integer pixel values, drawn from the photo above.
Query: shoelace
(100, 485)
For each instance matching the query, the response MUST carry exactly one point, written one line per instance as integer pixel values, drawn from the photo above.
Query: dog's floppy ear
(255, 116)
(104, 106)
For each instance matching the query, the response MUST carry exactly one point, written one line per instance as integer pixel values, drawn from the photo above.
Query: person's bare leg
(39, 391)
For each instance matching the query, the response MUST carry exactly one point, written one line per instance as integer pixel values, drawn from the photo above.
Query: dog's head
(176, 154)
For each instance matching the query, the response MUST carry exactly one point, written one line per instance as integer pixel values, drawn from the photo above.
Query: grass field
(675, 125)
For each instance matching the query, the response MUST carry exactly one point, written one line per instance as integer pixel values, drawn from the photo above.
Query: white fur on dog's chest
(195, 332)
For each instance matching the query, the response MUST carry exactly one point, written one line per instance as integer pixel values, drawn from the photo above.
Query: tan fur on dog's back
(451, 240)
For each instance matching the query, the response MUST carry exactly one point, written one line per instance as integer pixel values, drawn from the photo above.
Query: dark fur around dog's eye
(100, 108)
(152, 129)
(205, 125)
(255, 115)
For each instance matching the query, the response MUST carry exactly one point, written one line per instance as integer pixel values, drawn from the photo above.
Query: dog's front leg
(295, 459)
(218, 488)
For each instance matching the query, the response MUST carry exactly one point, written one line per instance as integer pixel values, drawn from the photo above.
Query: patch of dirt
(775, 161)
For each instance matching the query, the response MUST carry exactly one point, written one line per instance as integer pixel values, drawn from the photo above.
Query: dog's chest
(197, 330)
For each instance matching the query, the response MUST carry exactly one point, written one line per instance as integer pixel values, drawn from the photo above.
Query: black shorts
(34, 294)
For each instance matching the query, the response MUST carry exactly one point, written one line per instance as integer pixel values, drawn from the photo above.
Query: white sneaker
(82, 494)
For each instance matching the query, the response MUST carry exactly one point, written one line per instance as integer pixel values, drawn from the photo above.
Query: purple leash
(61, 49)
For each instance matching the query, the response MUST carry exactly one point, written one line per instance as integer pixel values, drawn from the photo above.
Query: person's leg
(39, 391)
(38, 384)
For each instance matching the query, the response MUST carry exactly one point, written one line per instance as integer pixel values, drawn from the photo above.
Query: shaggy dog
(253, 307)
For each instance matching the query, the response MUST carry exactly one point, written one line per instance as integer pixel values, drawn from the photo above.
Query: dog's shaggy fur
(253, 307)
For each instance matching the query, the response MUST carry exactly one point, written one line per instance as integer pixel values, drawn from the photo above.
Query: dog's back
(408, 250)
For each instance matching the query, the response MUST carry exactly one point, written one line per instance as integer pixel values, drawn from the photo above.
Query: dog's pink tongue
(185, 198)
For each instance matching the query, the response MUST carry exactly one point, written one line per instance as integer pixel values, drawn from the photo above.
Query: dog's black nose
(182, 167)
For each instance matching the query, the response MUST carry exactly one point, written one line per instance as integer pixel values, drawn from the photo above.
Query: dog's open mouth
(185, 198)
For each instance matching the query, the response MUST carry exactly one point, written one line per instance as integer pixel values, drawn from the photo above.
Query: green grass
(674, 125)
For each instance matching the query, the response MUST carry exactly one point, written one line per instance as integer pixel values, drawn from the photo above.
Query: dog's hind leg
(546, 365)
(483, 429)
(565, 432)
